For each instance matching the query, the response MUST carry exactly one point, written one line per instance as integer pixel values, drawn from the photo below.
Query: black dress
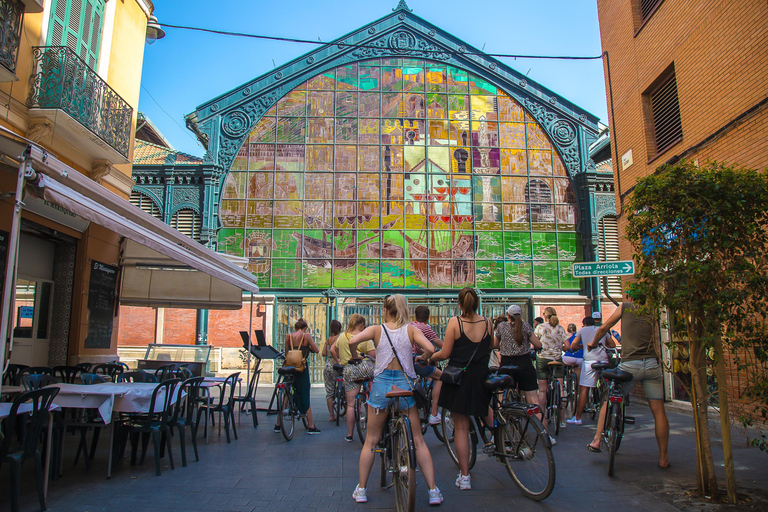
(470, 397)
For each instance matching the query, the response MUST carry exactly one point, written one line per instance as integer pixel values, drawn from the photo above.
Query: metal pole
(250, 344)
(25, 170)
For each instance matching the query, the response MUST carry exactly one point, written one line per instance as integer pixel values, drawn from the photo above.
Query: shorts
(525, 375)
(382, 384)
(542, 369)
(572, 360)
(648, 372)
(329, 376)
(588, 377)
(357, 371)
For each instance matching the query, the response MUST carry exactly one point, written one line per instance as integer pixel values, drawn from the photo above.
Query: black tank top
(463, 347)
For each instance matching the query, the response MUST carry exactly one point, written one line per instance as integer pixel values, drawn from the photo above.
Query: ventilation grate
(187, 222)
(145, 203)
(665, 110)
(608, 250)
(647, 7)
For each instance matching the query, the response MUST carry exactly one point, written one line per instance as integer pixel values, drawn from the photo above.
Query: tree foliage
(700, 237)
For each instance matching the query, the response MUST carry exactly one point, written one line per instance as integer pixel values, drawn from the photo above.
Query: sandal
(593, 449)
(665, 467)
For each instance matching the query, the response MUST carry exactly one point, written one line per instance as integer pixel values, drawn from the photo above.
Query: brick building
(686, 79)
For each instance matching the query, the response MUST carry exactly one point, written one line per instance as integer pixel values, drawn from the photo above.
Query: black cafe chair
(67, 374)
(138, 376)
(225, 408)
(111, 369)
(12, 376)
(36, 381)
(249, 398)
(184, 415)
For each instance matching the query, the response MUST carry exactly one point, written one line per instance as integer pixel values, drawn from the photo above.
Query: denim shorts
(382, 384)
(423, 370)
(648, 372)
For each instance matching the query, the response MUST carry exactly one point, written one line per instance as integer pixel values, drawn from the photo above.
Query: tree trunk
(707, 481)
(725, 421)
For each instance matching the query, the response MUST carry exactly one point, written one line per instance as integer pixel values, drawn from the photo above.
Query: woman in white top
(390, 374)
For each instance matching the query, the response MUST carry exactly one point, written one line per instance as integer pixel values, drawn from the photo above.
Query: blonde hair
(397, 307)
(354, 321)
(552, 314)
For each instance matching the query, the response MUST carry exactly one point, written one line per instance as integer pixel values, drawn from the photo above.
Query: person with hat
(514, 339)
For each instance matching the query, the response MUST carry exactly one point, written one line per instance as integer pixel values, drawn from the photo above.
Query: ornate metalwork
(402, 43)
(563, 133)
(402, 6)
(604, 205)
(11, 14)
(62, 80)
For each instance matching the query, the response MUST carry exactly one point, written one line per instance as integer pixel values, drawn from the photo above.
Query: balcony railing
(62, 80)
(11, 13)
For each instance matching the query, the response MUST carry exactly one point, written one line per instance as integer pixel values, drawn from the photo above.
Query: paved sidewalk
(261, 471)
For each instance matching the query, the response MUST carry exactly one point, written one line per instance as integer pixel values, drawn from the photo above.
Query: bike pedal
(629, 420)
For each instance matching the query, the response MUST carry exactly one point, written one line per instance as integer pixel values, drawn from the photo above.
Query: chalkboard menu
(101, 305)
(3, 258)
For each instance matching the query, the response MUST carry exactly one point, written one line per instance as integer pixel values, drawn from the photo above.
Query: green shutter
(77, 25)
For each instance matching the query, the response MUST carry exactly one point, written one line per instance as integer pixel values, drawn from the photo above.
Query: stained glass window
(400, 174)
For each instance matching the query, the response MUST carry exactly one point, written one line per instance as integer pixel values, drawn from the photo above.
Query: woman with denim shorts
(388, 375)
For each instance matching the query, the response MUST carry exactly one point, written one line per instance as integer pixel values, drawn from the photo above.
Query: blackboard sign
(101, 305)
(3, 257)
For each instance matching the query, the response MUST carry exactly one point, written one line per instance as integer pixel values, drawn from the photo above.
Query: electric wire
(169, 115)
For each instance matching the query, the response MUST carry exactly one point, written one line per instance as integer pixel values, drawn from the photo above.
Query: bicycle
(518, 436)
(571, 384)
(554, 397)
(339, 394)
(613, 432)
(398, 454)
(286, 402)
(423, 396)
(361, 408)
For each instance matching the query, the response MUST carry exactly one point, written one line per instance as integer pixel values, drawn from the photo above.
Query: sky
(187, 68)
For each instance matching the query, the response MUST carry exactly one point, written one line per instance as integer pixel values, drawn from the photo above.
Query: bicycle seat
(554, 363)
(338, 367)
(601, 366)
(617, 375)
(397, 392)
(507, 370)
(500, 381)
(287, 370)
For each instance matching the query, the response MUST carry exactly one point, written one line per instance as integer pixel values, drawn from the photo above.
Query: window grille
(143, 201)
(608, 250)
(188, 222)
(665, 114)
(647, 8)
(540, 196)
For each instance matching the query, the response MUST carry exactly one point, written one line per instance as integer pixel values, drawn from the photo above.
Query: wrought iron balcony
(62, 81)
(11, 14)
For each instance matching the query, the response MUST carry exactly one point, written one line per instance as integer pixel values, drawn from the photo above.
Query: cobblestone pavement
(261, 471)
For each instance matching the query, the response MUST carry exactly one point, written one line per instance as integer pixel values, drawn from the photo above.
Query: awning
(216, 277)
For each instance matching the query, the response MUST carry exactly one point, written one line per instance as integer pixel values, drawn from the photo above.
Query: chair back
(165, 372)
(185, 404)
(111, 369)
(230, 381)
(91, 378)
(124, 366)
(26, 440)
(67, 374)
(184, 373)
(36, 381)
(138, 376)
(13, 374)
(86, 367)
(35, 370)
(162, 410)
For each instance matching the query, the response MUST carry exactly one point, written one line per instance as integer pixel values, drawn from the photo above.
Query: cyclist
(301, 339)
(394, 369)
(422, 317)
(640, 357)
(552, 336)
(329, 374)
(468, 342)
(588, 380)
(515, 339)
(355, 368)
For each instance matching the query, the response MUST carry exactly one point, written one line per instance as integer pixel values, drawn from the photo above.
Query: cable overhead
(353, 45)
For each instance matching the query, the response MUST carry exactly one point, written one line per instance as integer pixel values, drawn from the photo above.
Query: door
(31, 322)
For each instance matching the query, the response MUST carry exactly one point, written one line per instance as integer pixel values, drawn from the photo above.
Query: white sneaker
(463, 483)
(435, 496)
(360, 495)
(434, 420)
(554, 441)
(573, 421)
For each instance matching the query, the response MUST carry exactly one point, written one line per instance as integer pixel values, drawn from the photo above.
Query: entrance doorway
(31, 324)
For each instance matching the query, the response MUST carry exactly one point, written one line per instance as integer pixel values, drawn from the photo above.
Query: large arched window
(188, 222)
(400, 173)
(143, 201)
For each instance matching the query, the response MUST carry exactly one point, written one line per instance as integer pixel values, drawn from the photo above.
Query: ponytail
(518, 330)
(552, 314)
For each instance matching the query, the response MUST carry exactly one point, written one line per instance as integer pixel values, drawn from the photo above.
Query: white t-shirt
(587, 334)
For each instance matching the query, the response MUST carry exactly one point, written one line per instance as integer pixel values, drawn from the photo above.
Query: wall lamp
(154, 30)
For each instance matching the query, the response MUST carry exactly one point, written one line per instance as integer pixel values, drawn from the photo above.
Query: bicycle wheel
(613, 434)
(527, 453)
(285, 414)
(404, 466)
(361, 417)
(593, 399)
(385, 458)
(337, 401)
(557, 406)
(446, 424)
(572, 389)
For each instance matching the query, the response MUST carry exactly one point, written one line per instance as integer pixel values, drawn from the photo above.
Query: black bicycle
(519, 440)
(613, 432)
(398, 454)
(554, 405)
(571, 385)
(423, 396)
(361, 408)
(339, 393)
(287, 411)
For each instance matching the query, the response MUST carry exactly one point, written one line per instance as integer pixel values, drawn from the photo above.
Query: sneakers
(435, 497)
(313, 430)
(463, 483)
(573, 421)
(276, 430)
(554, 441)
(562, 424)
(434, 420)
(349, 439)
(361, 496)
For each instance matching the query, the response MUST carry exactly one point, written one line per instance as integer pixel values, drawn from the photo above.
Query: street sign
(604, 268)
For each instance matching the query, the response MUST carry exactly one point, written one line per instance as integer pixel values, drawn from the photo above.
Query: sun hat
(514, 310)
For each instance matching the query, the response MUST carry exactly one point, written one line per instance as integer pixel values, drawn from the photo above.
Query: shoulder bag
(295, 357)
(453, 374)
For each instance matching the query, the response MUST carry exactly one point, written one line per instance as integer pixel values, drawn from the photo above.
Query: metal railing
(11, 13)
(62, 80)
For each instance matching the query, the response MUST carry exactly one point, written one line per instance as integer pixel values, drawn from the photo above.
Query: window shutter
(188, 222)
(647, 7)
(665, 110)
(58, 23)
(608, 250)
(77, 25)
(145, 203)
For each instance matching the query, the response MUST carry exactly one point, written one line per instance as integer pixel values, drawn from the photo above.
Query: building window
(540, 197)
(76, 24)
(664, 125)
(187, 221)
(647, 8)
(144, 202)
(608, 250)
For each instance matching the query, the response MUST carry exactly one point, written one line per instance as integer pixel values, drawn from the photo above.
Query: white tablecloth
(5, 409)
(109, 398)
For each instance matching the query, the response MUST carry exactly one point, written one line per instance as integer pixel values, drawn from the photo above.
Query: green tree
(700, 237)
